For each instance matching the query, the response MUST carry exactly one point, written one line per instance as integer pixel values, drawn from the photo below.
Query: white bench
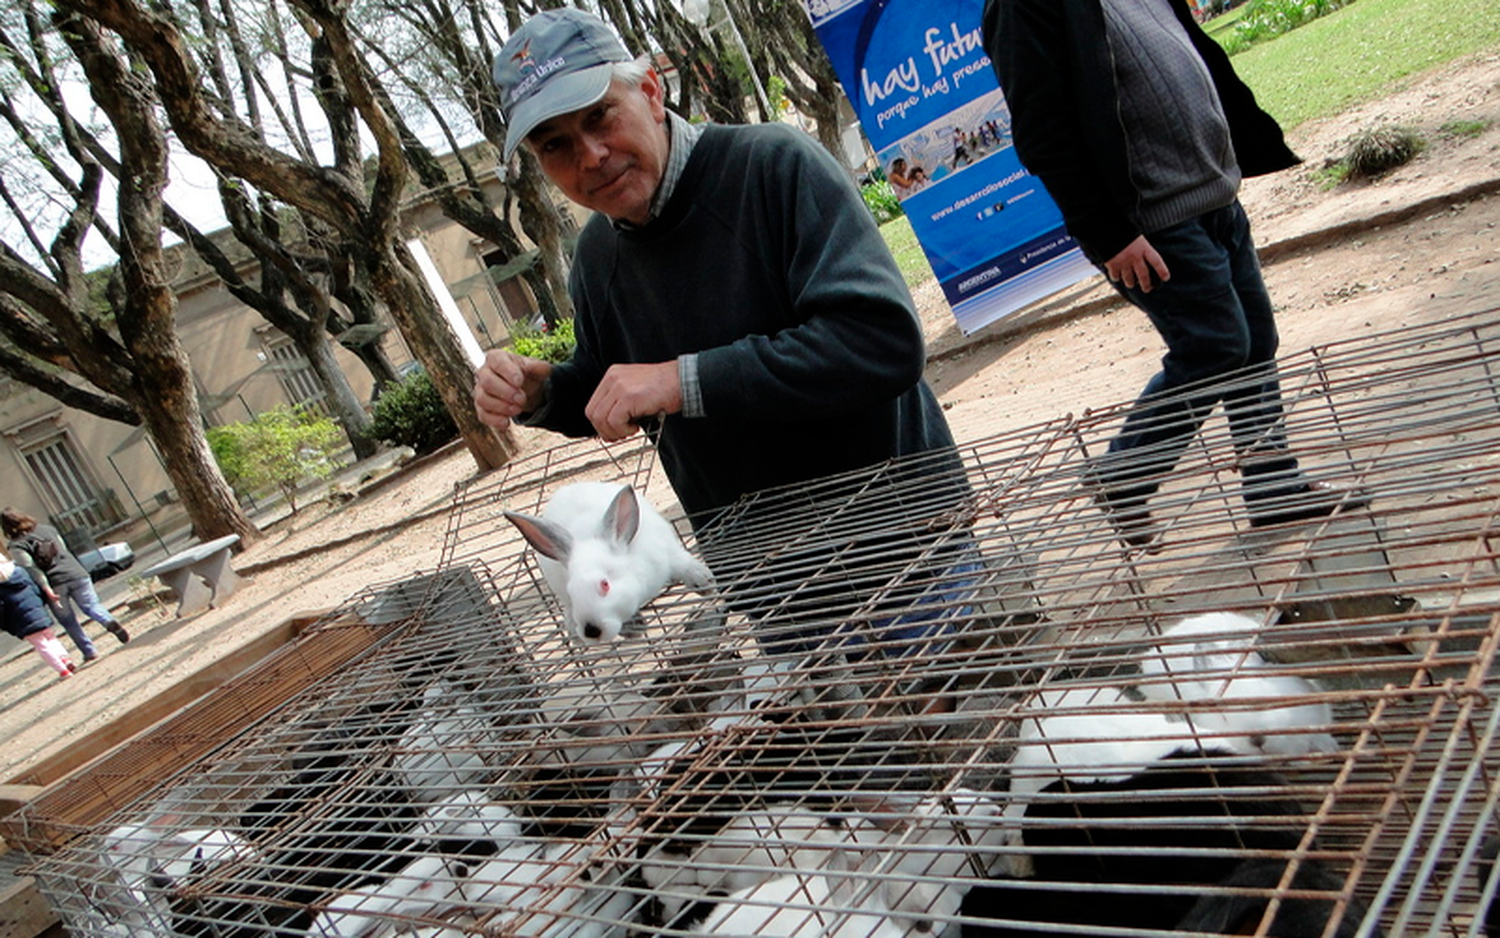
(200, 576)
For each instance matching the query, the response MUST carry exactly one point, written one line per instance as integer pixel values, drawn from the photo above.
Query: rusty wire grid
(942, 696)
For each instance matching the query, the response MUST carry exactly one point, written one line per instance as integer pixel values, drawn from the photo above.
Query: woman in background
(24, 615)
(64, 582)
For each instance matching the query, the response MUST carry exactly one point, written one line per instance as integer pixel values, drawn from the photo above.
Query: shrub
(281, 448)
(1267, 19)
(411, 413)
(1378, 150)
(553, 344)
(227, 445)
(881, 200)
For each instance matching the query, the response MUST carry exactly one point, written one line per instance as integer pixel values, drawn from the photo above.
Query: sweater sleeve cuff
(692, 391)
(536, 417)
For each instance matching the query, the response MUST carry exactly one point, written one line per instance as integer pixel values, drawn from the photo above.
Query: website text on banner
(922, 87)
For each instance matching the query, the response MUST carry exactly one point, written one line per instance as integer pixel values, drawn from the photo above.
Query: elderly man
(732, 283)
(732, 292)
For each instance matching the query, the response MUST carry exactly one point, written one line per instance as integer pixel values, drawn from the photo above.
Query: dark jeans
(1215, 317)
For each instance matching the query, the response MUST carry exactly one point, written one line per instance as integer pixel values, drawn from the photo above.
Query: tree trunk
(394, 275)
(207, 498)
(539, 219)
(347, 409)
(147, 307)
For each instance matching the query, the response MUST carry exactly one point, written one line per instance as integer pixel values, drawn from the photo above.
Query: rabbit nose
(592, 631)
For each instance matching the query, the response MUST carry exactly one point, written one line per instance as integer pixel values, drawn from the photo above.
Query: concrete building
(87, 474)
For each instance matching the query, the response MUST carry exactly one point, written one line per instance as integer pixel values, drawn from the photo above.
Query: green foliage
(550, 344)
(281, 449)
(910, 258)
(881, 200)
(776, 91)
(1267, 19)
(411, 413)
(1458, 128)
(1331, 175)
(1356, 54)
(228, 447)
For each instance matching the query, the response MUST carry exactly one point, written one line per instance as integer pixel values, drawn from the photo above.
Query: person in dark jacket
(23, 613)
(1140, 130)
(64, 582)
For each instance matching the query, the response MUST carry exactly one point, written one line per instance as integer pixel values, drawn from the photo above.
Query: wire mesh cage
(946, 695)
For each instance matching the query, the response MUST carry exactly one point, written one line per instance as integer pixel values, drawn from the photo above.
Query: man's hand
(507, 385)
(1133, 266)
(632, 393)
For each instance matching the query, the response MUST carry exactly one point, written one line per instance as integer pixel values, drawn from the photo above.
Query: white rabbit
(152, 859)
(937, 852)
(960, 834)
(468, 815)
(605, 554)
(181, 853)
(436, 755)
(1088, 747)
(426, 886)
(752, 848)
(830, 904)
(130, 850)
(1219, 665)
(533, 889)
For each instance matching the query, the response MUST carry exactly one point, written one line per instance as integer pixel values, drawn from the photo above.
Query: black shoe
(92, 657)
(1132, 522)
(1316, 500)
(118, 631)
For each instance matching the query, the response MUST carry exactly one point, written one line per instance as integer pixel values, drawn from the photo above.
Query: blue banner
(922, 87)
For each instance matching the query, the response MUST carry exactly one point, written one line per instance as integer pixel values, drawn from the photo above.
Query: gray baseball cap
(558, 61)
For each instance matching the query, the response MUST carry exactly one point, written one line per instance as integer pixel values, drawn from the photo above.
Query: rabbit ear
(550, 540)
(623, 517)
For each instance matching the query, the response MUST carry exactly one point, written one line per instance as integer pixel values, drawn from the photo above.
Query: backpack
(42, 550)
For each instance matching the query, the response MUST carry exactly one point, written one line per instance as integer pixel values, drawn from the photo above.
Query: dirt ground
(1416, 245)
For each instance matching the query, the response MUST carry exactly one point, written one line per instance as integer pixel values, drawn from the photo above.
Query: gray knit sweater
(1181, 158)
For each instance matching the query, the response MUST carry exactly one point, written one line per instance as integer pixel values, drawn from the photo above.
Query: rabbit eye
(603, 587)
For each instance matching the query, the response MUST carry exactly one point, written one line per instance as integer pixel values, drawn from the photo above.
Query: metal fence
(937, 697)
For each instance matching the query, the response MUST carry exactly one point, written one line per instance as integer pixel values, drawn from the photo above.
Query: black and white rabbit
(551, 889)
(605, 553)
(425, 887)
(831, 902)
(1233, 911)
(1185, 819)
(753, 847)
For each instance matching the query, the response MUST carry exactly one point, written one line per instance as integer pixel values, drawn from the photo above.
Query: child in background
(23, 613)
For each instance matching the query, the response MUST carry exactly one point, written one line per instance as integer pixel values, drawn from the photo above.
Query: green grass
(1462, 128)
(1356, 54)
(909, 257)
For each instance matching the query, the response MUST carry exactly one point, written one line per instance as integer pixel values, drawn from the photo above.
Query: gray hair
(633, 71)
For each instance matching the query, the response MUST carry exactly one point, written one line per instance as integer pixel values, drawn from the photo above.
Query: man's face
(609, 156)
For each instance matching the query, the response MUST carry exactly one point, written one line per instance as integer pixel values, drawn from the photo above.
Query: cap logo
(539, 70)
(523, 56)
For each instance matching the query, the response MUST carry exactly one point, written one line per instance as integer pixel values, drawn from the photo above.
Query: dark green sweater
(766, 263)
